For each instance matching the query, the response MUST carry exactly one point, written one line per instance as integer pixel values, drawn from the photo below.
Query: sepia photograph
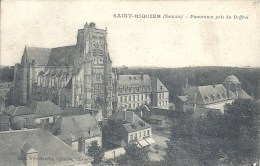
(129, 83)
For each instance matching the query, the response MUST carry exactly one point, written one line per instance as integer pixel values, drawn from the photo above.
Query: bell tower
(97, 69)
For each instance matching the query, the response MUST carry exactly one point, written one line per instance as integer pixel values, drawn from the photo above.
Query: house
(136, 90)
(37, 147)
(125, 127)
(79, 131)
(46, 112)
(20, 117)
(156, 119)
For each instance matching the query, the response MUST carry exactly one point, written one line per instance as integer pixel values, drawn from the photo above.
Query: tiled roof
(134, 80)
(45, 109)
(17, 111)
(72, 111)
(64, 56)
(243, 95)
(208, 94)
(160, 87)
(131, 121)
(39, 55)
(50, 149)
(75, 127)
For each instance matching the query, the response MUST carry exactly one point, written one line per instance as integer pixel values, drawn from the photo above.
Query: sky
(157, 42)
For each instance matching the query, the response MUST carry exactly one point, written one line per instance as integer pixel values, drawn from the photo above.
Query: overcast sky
(138, 42)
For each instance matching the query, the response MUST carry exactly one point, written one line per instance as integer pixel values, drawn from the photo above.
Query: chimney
(142, 75)
(29, 155)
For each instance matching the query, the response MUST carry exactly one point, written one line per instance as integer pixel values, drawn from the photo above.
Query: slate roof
(75, 127)
(243, 95)
(160, 87)
(64, 56)
(39, 55)
(47, 145)
(208, 94)
(131, 121)
(45, 109)
(17, 111)
(134, 80)
(72, 111)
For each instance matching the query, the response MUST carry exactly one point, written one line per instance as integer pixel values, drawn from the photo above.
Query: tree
(96, 152)
(134, 156)
(242, 134)
(195, 141)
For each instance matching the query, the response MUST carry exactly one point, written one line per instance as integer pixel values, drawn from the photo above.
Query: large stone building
(136, 90)
(211, 97)
(79, 75)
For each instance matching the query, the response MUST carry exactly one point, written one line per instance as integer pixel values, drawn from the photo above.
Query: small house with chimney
(78, 131)
(125, 127)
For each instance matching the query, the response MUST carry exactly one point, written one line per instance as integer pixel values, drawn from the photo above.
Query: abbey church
(79, 75)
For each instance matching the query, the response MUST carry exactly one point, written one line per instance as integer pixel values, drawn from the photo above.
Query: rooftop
(75, 127)
(45, 108)
(50, 149)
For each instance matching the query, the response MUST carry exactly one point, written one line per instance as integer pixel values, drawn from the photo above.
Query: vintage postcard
(130, 83)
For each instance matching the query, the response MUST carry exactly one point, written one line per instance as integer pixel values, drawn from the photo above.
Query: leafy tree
(96, 152)
(134, 156)
(241, 118)
(195, 141)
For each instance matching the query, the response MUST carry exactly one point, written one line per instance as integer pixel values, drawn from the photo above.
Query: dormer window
(206, 98)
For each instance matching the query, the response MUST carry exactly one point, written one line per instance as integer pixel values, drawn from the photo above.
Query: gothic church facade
(79, 75)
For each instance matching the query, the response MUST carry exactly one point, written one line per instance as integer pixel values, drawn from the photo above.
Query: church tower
(97, 69)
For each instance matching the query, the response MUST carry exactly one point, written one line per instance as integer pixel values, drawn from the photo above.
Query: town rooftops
(208, 94)
(17, 111)
(129, 80)
(39, 55)
(45, 109)
(75, 127)
(131, 122)
(50, 149)
(73, 111)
